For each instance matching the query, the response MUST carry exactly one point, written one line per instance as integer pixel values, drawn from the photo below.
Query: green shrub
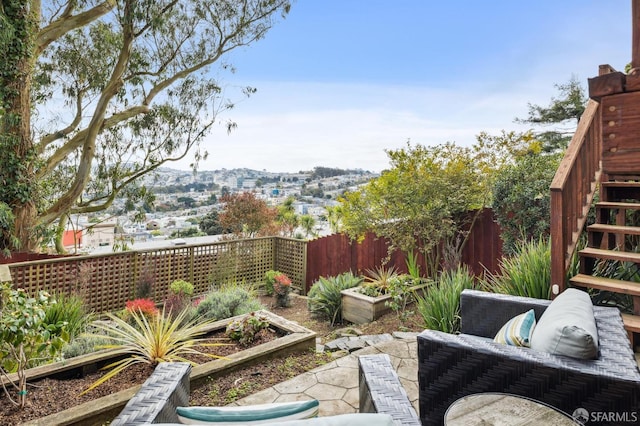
(269, 281)
(521, 199)
(226, 302)
(25, 339)
(324, 298)
(439, 307)
(82, 345)
(527, 273)
(69, 309)
(181, 288)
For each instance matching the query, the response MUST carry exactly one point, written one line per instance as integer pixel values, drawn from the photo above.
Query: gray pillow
(567, 327)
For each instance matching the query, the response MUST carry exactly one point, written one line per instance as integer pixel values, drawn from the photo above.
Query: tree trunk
(16, 151)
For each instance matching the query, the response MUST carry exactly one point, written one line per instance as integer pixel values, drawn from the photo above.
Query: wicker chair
(453, 366)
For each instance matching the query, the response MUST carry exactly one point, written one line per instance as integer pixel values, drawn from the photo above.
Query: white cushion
(567, 327)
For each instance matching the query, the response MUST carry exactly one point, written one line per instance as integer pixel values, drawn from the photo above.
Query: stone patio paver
(335, 384)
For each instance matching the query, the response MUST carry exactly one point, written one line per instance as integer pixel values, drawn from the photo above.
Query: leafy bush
(324, 298)
(521, 199)
(82, 345)
(269, 281)
(227, 302)
(152, 340)
(244, 330)
(181, 288)
(526, 273)
(69, 309)
(25, 338)
(439, 307)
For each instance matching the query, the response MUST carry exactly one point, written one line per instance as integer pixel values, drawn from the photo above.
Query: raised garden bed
(359, 308)
(293, 337)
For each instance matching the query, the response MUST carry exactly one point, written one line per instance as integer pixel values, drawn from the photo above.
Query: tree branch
(68, 22)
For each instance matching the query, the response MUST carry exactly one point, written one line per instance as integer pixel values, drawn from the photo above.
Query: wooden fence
(335, 254)
(107, 281)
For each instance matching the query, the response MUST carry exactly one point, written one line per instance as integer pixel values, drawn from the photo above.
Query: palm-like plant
(161, 338)
(380, 280)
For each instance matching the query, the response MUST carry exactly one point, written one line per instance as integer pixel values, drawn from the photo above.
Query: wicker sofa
(453, 366)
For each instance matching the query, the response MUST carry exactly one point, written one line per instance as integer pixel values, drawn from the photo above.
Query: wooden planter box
(102, 410)
(359, 308)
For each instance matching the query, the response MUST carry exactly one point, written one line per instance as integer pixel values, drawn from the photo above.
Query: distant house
(72, 238)
(100, 235)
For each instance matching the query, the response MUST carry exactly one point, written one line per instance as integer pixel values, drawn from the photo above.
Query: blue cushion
(518, 330)
(247, 415)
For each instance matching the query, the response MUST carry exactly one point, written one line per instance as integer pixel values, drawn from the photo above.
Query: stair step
(617, 205)
(631, 322)
(607, 284)
(620, 184)
(624, 256)
(614, 229)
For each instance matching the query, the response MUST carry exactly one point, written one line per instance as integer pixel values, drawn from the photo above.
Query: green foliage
(210, 224)
(439, 307)
(82, 345)
(522, 200)
(377, 282)
(424, 199)
(70, 310)
(526, 273)
(413, 267)
(269, 281)
(25, 338)
(181, 288)
(244, 330)
(402, 295)
(561, 111)
(160, 338)
(287, 217)
(324, 299)
(227, 302)
(158, 100)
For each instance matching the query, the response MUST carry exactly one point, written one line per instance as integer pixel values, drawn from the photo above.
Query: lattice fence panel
(105, 282)
(291, 259)
(109, 281)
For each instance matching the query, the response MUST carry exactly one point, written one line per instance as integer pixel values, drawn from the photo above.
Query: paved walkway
(335, 384)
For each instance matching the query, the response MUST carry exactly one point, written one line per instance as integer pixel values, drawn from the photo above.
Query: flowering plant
(145, 306)
(281, 289)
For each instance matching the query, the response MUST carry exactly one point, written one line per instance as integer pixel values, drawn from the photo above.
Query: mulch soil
(49, 396)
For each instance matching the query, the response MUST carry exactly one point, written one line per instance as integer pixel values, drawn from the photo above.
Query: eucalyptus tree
(94, 94)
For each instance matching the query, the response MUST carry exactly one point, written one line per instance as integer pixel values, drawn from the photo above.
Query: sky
(341, 81)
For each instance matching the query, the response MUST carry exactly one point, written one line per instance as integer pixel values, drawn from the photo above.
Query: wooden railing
(572, 191)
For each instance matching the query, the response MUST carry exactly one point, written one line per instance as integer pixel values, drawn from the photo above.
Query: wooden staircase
(614, 241)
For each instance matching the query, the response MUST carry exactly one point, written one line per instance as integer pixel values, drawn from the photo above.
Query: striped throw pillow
(518, 330)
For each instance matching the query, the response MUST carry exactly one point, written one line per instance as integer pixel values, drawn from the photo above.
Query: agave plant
(324, 298)
(380, 280)
(160, 338)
